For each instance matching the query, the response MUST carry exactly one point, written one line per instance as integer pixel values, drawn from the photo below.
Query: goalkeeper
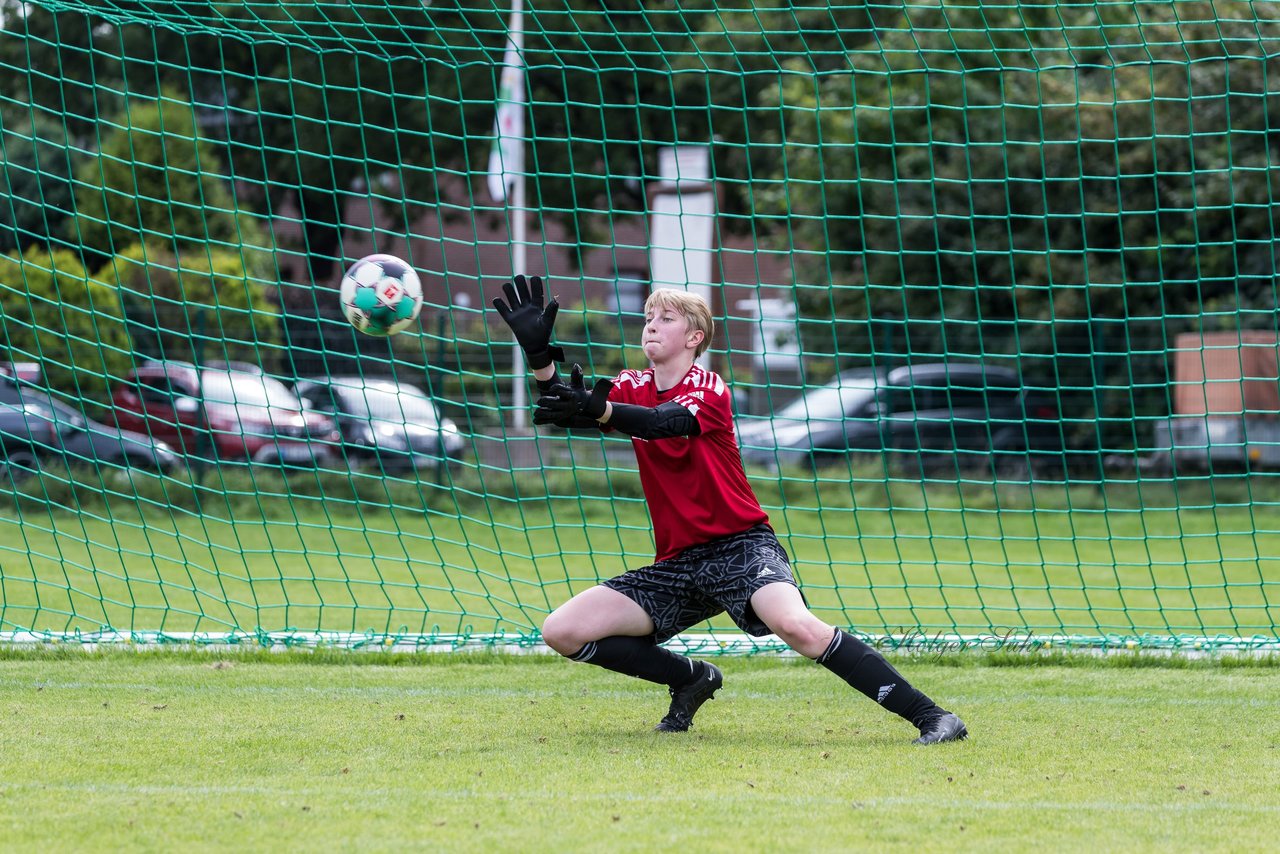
(715, 549)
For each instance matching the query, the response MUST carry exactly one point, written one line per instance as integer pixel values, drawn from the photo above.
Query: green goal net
(995, 290)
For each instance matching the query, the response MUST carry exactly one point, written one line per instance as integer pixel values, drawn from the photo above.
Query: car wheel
(1048, 465)
(1014, 468)
(205, 450)
(819, 460)
(147, 465)
(18, 465)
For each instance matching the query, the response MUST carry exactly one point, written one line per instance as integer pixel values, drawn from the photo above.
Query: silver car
(383, 423)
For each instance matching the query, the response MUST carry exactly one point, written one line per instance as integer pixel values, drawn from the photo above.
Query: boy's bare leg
(596, 613)
(604, 627)
(782, 609)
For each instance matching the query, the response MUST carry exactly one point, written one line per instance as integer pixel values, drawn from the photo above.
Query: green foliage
(158, 181)
(54, 313)
(986, 183)
(36, 42)
(290, 137)
(35, 179)
(199, 304)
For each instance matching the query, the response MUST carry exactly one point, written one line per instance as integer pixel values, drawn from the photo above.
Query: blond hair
(689, 305)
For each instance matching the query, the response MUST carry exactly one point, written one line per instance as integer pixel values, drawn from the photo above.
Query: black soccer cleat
(686, 701)
(944, 727)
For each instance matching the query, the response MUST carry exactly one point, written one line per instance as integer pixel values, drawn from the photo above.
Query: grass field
(157, 751)
(164, 750)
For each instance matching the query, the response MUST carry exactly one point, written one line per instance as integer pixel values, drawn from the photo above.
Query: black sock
(638, 657)
(865, 669)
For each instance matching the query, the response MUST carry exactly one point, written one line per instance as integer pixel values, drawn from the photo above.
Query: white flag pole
(519, 253)
(507, 178)
(519, 222)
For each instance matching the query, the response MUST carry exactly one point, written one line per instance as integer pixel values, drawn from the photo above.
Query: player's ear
(695, 338)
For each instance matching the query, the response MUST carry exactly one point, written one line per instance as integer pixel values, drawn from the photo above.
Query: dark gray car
(36, 428)
(928, 418)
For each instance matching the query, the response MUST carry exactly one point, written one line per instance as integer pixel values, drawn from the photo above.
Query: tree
(156, 179)
(316, 104)
(36, 162)
(1016, 183)
(196, 305)
(195, 273)
(54, 313)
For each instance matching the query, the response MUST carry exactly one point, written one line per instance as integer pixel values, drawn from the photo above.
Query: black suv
(928, 419)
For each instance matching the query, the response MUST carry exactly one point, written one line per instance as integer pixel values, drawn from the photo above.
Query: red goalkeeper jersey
(695, 486)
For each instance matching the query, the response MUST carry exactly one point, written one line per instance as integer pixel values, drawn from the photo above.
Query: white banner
(506, 157)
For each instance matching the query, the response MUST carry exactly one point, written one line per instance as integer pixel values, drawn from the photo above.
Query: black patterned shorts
(709, 579)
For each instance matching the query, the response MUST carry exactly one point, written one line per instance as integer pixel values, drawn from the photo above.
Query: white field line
(689, 643)
(151, 692)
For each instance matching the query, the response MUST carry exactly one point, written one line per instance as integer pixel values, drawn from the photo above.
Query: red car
(223, 412)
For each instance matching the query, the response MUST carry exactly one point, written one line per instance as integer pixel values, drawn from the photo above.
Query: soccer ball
(381, 295)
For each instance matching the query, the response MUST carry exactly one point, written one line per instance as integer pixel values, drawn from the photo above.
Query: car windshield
(386, 402)
(830, 402)
(62, 413)
(246, 390)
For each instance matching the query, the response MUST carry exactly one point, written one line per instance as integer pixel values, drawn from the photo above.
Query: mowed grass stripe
(379, 797)
(1157, 571)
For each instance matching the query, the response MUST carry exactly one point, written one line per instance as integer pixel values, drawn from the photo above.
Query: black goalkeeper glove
(563, 403)
(529, 321)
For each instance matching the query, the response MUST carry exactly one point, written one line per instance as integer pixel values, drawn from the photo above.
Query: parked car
(928, 418)
(36, 428)
(26, 373)
(224, 411)
(383, 423)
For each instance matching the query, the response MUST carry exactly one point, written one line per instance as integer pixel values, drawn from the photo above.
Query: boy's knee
(804, 633)
(558, 633)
